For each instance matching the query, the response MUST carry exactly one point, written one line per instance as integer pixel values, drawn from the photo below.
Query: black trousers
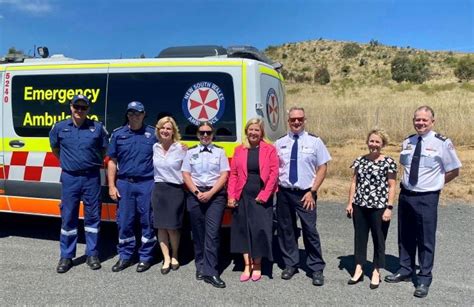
(365, 220)
(417, 221)
(288, 205)
(206, 220)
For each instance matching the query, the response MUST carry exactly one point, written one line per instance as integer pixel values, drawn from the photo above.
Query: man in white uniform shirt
(429, 162)
(303, 165)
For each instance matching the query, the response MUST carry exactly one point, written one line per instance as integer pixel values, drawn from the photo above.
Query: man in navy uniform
(79, 143)
(429, 162)
(303, 165)
(131, 160)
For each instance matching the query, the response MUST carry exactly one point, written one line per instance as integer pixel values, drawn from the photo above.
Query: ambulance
(225, 86)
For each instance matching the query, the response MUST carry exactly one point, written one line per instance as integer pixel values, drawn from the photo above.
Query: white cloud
(30, 6)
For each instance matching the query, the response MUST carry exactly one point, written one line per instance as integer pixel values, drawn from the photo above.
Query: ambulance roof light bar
(192, 51)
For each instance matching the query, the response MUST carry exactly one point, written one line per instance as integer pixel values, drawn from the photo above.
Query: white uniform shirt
(437, 157)
(167, 167)
(205, 167)
(311, 153)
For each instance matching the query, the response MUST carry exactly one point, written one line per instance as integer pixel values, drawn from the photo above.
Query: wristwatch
(390, 207)
(196, 192)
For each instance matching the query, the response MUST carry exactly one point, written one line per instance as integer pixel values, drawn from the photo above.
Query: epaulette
(313, 135)
(441, 137)
(217, 146)
(150, 126)
(411, 135)
(282, 136)
(193, 147)
(116, 129)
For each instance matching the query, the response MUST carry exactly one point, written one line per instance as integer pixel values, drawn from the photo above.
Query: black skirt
(168, 205)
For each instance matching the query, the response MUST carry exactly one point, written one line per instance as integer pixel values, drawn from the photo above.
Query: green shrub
(465, 68)
(350, 50)
(467, 86)
(413, 70)
(321, 76)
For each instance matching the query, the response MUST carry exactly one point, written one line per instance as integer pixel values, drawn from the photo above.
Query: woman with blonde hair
(252, 182)
(168, 192)
(371, 196)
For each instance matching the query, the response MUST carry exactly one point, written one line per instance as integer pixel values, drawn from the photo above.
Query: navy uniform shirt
(437, 157)
(311, 153)
(133, 151)
(80, 148)
(205, 167)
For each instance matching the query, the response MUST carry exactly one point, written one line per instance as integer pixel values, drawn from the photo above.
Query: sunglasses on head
(206, 132)
(294, 119)
(79, 107)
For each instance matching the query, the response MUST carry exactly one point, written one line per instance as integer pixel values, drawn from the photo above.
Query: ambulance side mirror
(43, 52)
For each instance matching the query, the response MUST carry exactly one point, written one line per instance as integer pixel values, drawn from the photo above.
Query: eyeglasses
(134, 113)
(294, 119)
(79, 107)
(206, 132)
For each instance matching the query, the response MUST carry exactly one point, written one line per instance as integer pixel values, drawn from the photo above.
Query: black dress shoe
(318, 279)
(421, 291)
(288, 272)
(199, 276)
(165, 271)
(175, 267)
(64, 265)
(397, 277)
(215, 281)
(374, 286)
(353, 282)
(143, 266)
(93, 262)
(121, 265)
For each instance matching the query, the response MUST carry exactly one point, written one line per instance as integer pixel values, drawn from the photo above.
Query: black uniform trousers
(417, 221)
(206, 220)
(365, 220)
(288, 205)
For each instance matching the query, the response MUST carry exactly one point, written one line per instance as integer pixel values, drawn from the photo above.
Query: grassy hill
(360, 94)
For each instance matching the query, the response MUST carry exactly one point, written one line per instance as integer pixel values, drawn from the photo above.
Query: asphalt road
(29, 254)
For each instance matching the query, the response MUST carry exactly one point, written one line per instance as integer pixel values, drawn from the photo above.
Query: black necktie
(294, 161)
(205, 149)
(415, 163)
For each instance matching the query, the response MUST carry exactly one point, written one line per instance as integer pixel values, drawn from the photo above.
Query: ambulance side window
(38, 101)
(188, 97)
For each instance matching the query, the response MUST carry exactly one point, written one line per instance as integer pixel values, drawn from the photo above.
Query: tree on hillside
(465, 68)
(414, 70)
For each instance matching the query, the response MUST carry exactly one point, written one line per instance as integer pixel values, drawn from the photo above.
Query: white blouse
(167, 166)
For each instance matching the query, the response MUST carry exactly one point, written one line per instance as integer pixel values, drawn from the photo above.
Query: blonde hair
(162, 122)
(381, 133)
(253, 121)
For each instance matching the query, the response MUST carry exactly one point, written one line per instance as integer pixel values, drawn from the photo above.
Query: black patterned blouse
(372, 181)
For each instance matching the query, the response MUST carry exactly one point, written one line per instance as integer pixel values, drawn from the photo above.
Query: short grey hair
(426, 109)
(295, 109)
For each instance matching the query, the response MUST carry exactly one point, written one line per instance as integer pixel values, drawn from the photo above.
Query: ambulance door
(38, 97)
(3, 200)
(272, 97)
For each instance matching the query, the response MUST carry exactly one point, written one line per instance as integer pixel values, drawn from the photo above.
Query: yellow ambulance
(226, 86)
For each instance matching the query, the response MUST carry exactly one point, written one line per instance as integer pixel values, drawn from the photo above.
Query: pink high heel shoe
(244, 277)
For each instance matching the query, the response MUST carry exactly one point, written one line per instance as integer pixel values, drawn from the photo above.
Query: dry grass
(342, 121)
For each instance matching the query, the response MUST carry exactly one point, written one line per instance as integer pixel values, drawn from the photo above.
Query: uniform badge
(91, 129)
(195, 156)
(147, 135)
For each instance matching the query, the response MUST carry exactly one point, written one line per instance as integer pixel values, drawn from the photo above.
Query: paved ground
(29, 253)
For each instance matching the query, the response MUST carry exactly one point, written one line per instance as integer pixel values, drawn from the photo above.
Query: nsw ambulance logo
(272, 109)
(203, 101)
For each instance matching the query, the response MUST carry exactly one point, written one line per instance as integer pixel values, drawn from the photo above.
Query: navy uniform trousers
(77, 186)
(417, 220)
(288, 205)
(206, 219)
(135, 199)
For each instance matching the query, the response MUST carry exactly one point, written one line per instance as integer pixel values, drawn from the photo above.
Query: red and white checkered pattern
(33, 166)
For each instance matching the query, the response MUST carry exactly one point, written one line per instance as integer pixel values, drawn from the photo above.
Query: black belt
(83, 172)
(204, 189)
(294, 189)
(415, 193)
(134, 179)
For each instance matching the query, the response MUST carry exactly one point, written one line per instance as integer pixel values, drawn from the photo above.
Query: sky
(86, 29)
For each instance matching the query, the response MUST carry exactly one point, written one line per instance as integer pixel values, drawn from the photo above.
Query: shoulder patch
(441, 137)
(411, 135)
